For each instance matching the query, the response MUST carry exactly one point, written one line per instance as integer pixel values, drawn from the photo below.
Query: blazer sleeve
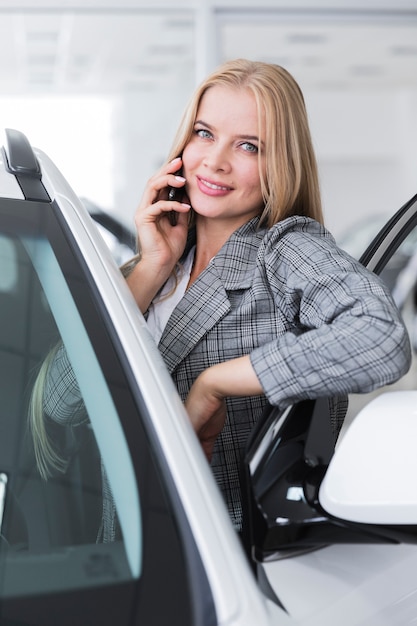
(62, 400)
(346, 333)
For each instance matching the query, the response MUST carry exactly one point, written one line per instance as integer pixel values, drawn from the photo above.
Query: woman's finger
(158, 186)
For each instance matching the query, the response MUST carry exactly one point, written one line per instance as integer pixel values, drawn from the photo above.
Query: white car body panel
(349, 585)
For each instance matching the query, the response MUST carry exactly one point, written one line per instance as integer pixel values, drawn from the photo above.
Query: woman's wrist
(205, 403)
(145, 280)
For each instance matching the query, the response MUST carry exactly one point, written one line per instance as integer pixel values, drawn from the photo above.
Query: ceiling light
(306, 38)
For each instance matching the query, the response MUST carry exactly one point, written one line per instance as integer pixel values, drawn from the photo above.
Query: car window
(88, 530)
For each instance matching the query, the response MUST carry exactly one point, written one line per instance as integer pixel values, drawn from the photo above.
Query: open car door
(315, 510)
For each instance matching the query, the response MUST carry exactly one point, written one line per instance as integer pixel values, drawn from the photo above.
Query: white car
(330, 534)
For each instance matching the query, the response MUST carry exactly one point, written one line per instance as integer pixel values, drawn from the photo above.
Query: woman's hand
(207, 412)
(205, 402)
(161, 239)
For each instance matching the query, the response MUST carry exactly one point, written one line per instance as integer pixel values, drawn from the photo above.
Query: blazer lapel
(206, 302)
(202, 306)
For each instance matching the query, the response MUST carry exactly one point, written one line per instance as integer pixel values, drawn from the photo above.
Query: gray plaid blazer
(314, 321)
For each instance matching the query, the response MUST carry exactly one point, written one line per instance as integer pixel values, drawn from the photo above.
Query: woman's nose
(218, 158)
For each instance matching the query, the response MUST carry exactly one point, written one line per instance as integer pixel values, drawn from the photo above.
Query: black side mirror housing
(284, 467)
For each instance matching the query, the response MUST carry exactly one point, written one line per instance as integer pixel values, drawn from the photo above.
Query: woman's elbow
(405, 352)
(397, 352)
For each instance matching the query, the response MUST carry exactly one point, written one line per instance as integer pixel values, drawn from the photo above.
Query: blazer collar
(206, 301)
(235, 261)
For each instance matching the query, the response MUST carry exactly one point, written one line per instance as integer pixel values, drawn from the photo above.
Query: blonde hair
(47, 458)
(291, 185)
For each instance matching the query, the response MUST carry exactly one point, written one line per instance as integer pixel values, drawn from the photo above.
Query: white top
(162, 306)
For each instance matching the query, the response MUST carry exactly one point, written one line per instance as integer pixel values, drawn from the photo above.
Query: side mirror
(371, 478)
(301, 494)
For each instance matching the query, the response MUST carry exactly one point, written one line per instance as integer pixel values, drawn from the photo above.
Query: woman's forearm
(229, 379)
(233, 378)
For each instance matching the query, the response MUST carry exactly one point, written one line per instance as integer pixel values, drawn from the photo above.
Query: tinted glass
(80, 543)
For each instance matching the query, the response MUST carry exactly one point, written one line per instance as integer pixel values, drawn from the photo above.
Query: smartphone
(173, 194)
(172, 215)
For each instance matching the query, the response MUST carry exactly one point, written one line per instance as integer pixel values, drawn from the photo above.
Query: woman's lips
(211, 188)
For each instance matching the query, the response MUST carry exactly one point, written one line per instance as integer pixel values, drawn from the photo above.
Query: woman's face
(220, 163)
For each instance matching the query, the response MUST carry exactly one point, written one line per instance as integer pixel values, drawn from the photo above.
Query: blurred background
(100, 85)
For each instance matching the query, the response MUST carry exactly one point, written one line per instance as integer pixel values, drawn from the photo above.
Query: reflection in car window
(94, 401)
(64, 512)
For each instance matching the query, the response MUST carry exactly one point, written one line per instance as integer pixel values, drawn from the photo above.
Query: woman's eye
(249, 147)
(203, 133)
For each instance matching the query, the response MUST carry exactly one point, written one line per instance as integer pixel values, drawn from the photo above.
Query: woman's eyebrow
(203, 123)
(250, 138)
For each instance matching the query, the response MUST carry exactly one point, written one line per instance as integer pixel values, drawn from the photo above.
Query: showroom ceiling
(114, 47)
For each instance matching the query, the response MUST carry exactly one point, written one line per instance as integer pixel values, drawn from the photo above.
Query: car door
(321, 569)
(92, 529)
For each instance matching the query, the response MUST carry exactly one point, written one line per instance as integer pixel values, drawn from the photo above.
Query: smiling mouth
(206, 183)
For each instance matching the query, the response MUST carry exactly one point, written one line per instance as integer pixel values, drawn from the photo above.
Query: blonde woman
(245, 292)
